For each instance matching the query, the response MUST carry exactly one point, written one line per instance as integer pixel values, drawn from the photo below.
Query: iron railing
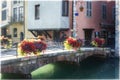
(55, 45)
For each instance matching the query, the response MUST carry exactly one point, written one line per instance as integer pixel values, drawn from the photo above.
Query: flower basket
(67, 46)
(6, 42)
(31, 47)
(98, 42)
(72, 43)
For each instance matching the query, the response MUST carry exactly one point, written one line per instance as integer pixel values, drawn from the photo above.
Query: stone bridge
(25, 65)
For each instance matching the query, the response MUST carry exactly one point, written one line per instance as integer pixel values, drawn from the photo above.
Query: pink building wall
(93, 22)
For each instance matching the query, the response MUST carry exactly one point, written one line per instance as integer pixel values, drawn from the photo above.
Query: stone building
(48, 18)
(12, 19)
(5, 8)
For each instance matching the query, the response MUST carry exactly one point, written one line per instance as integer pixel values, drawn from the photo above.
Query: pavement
(12, 52)
(8, 52)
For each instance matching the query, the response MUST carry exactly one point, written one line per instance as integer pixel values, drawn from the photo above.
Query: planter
(68, 47)
(72, 43)
(31, 47)
(29, 54)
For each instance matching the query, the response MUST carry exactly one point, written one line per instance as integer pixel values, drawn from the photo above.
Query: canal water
(90, 68)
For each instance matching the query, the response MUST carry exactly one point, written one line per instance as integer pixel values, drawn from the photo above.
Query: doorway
(56, 35)
(3, 31)
(88, 36)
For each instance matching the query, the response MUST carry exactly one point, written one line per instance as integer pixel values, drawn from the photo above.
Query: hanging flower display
(31, 47)
(98, 42)
(72, 43)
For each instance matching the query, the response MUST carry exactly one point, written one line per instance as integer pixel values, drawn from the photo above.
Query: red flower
(74, 43)
(103, 41)
(99, 41)
(39, 45)
(27, 47)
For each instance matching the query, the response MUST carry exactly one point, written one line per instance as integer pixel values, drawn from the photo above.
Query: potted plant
(72, 43)
(31, 47)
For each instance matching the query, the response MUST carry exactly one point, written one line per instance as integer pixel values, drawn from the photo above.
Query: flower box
(31, 47)
(72, 43)
(98, 42)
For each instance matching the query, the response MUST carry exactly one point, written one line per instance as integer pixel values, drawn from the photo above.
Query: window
(113, 13)
(19, 1)
(65, 8)
(20, 13)
(89, 8)
(4, 15)
(104, 11)
(14, 2)
(37, 11)
(4, 4)
(14, 14)
(15, 32)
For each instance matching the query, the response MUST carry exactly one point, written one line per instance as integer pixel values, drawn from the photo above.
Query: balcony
(13, 20)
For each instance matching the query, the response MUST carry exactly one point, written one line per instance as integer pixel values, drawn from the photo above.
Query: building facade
(96, 20)
(17, 20)
(5, 9)
(12, 19)
(29, 19)
(48, 18)
(117, 28)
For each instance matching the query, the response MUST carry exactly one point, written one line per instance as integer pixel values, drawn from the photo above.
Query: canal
(90, 68)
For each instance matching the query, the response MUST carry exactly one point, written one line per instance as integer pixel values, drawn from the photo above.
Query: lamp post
(74, 19)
